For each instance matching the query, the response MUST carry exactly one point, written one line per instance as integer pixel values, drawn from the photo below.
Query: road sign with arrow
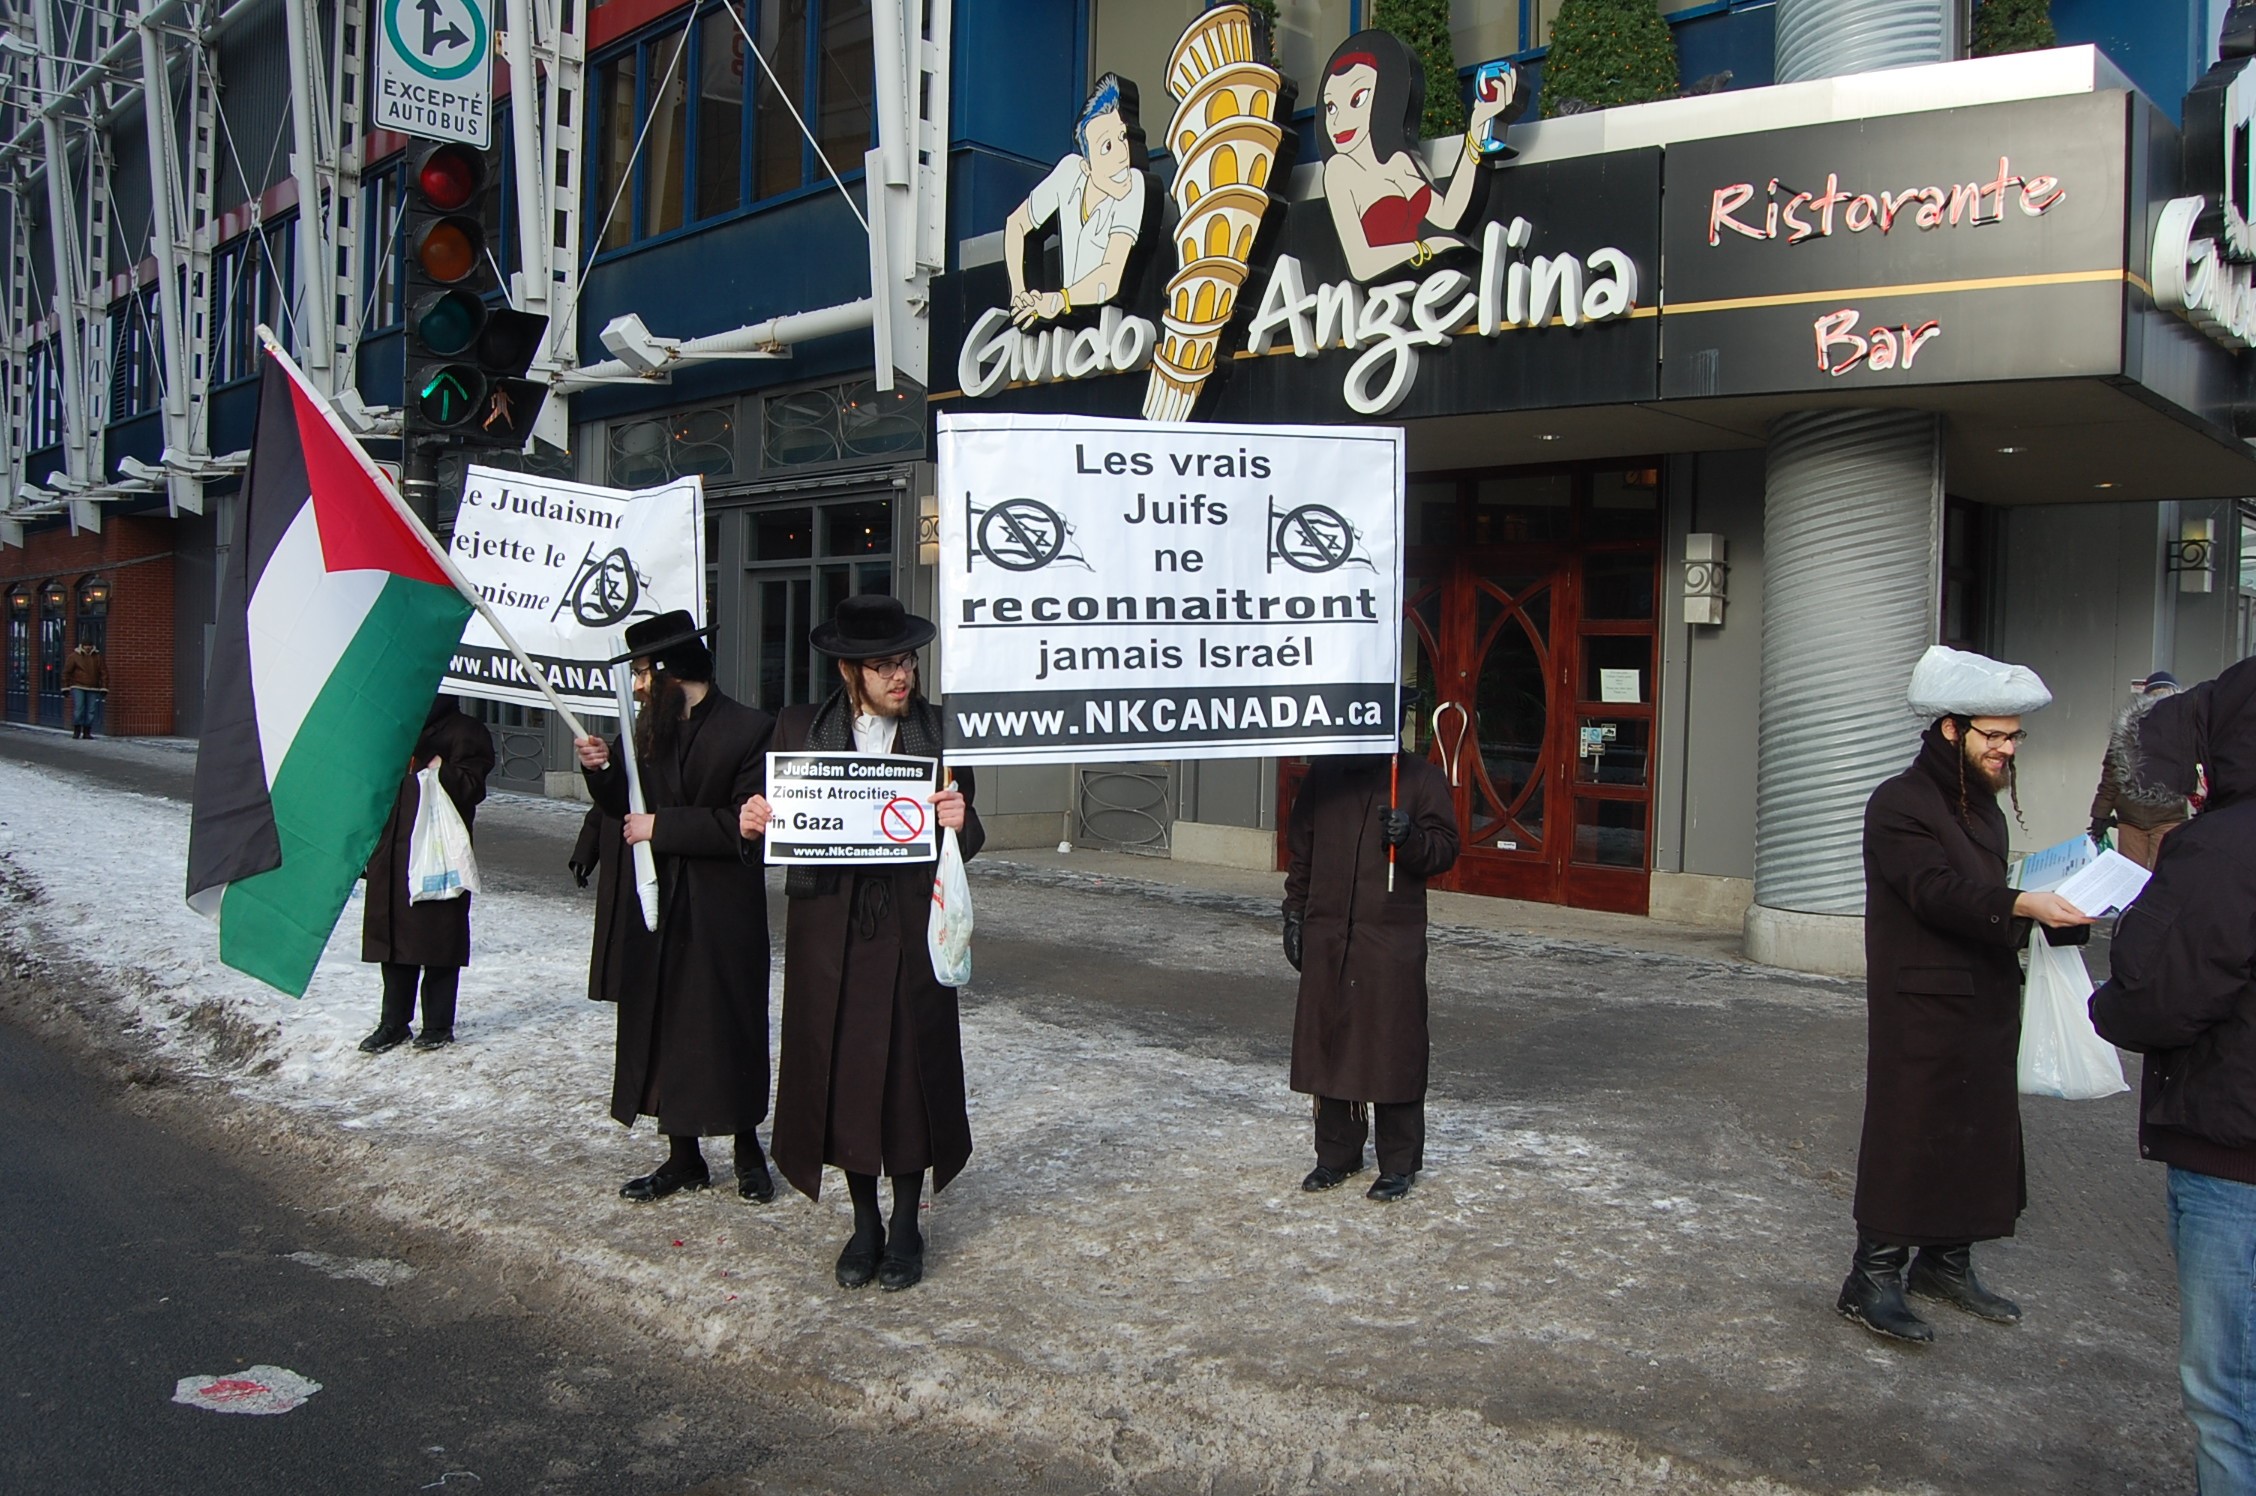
(434, 70)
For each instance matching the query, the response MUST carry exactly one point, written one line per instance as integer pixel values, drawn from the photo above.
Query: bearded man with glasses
(1940, 1166)
(871, 1076)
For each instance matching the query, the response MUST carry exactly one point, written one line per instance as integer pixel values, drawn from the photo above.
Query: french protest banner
(850, 808)
(567, 566)
(1145, 589)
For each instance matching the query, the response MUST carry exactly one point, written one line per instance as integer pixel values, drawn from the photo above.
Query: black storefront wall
(2042, 276)
(1924, 249)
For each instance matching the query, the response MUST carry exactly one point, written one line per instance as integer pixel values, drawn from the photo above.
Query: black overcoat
(693, 999)
(1940, 1161)
(622, 942)
(435, 932)
(852, 1002)
(1359, 1033)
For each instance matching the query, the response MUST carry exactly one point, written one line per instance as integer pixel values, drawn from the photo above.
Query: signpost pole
(645, 863)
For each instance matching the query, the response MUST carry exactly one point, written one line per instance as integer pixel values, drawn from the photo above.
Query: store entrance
(1529, 634)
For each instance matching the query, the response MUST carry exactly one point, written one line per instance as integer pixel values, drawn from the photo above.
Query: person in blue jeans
(2183, 993)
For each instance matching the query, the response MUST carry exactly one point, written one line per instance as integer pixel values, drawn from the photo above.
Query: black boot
(399, 1006)
(1947, 1273)
(1873, 1296)
(903, 1266)
(753, 1181)
(857, 1262)
(684, 1169)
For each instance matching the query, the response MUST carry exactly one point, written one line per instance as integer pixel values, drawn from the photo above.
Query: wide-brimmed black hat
(870, 626)
(672, 640)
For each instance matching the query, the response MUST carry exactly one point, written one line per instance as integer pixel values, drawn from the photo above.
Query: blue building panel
(1020, 67)
(2161, 45)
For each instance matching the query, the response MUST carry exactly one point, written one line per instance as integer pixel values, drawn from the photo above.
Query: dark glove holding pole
(1292, 940)
(1395, 824)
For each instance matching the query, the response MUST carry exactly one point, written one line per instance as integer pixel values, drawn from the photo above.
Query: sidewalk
(1616, 1273)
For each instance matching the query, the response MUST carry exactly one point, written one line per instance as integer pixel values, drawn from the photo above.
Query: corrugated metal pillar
(1830, 38)
(1852, 527)
(1852, 530)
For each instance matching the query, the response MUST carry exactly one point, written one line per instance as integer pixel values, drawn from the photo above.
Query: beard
(1977, 772)
(658, 724)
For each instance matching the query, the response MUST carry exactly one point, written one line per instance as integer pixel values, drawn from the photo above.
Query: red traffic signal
(448, 176)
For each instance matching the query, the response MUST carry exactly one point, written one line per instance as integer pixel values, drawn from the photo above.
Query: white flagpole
(645, 862)
(383, 483)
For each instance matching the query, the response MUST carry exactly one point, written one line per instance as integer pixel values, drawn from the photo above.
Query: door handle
(1455, 749)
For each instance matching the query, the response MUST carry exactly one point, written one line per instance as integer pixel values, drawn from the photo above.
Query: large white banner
(567, 566)
(1143, 589)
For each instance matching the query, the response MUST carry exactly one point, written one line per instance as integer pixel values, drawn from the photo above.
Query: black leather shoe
(857, 1264)
(434, 1039)
(1321, 1178)
(1389, 1187)
(663, 1181)
(385, 1038)
(902, 1268)
(1873, 1296)
(755, 1183)
(1947, 1273)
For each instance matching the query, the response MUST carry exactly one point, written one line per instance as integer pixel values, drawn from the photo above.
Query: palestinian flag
(336, 620)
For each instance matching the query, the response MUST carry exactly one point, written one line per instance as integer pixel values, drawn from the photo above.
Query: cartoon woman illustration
(1097, 198)
(1383, 203)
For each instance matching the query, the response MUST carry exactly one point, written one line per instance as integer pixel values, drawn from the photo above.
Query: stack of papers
(2110, 882)
(2044, 872)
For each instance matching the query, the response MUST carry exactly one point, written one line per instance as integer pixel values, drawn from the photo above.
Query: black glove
(1292, 940)
(1396, 825)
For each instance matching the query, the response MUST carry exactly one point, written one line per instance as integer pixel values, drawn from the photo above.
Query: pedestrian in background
(2182, 992)
(693, 998)
(2137, 825)
(1360, 1046)
(1940, 1165)
(423, 945)
(87, 677)
(872, 1075)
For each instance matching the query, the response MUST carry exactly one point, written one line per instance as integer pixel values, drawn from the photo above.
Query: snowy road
(1616, 1273)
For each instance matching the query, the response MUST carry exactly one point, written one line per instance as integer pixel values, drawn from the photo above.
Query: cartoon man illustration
(1097, 198)
(1383, 203)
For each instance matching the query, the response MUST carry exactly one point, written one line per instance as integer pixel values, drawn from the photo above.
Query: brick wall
(135, 557)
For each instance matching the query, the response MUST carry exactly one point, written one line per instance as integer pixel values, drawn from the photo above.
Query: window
(1967, 527)
(716, 133)
(136, 383)
(646, 453)
(94, 612)
(254, 280)
(836, 422)
(383, 197)
(43, 400)
(802, 560)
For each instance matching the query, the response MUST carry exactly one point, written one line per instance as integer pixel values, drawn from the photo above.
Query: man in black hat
(1360, 1047)
(872, 1070)
(693, 1010)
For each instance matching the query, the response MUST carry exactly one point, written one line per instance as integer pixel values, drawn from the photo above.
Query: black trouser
(1341, 1125)
(440, 986)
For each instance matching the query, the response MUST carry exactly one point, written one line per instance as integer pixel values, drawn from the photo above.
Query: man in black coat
(425, 943)
(1359, 1035)
(693, 1002)
(1940, 1165)
(2183, 993)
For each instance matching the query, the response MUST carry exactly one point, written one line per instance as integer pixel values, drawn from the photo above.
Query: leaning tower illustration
(1225, 138)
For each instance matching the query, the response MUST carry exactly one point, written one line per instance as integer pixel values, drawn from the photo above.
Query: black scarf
(832, 731)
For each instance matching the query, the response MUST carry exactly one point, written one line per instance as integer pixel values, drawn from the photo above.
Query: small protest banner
(567, 566)
(851, 808)
(1150, 589)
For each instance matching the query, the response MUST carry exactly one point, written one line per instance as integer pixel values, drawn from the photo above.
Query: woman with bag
(871, 1078)
(424, 943)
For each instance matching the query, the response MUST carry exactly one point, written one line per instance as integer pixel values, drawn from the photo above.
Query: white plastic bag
(440, 864)
(2060, 1054)
(949, 934)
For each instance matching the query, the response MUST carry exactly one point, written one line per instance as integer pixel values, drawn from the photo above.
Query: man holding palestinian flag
(338, 614)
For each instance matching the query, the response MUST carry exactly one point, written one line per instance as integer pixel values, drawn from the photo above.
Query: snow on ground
(1127, 1274)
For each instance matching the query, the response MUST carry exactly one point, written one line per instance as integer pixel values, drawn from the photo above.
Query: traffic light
(465, 361)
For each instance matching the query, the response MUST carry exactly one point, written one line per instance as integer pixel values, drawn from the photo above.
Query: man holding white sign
(872, 1069)
(693, 1022)
(1118, 589)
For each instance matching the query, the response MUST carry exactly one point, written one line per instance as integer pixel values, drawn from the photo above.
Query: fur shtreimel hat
(1958, 683)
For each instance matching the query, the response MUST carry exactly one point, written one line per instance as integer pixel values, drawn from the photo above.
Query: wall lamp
(1705, 577)
(2192, 557)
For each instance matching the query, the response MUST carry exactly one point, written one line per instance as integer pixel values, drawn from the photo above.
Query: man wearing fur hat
(693, 1008)
(872, 1075)
(2183, 993)
(1940, 1167)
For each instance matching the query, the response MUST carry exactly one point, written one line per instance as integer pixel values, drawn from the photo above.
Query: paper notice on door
(1621, 686)
(2109, 882)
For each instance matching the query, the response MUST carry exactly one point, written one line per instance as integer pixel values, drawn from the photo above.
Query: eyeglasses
(2017, 737)
(897, 665)
(639, 671)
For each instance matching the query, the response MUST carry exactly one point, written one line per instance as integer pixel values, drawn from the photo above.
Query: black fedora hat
(869, 626)
(648, 638)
